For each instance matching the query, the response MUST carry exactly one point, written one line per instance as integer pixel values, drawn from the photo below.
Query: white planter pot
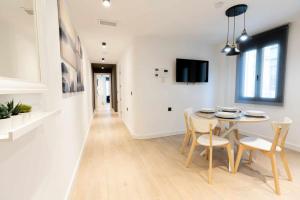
(5, 125)
(26, 117)
(17, 120)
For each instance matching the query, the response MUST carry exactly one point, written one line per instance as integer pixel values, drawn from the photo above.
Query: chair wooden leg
(210, 165)
(228, 147)
(286, 165)
(237, 134)
(184, 143)
(217, 131)
(207, 153)
(238, 158)
(275, 174)
(189, 140)
(250, 156)
(189, 158)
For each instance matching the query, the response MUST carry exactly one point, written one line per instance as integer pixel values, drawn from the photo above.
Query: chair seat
(258, 143)
(216, 140)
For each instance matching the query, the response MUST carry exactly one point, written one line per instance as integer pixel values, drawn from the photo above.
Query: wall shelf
(16, 86)
(34, 121)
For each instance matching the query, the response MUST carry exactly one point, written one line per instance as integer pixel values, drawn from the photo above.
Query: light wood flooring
(116, 167)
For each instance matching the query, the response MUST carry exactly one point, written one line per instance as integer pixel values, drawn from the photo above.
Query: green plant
(4, 113)
(10, 106)
(24, 108)
(14, 110)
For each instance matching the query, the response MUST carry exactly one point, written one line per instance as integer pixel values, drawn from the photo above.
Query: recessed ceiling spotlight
(103, 44)
(106, 3)
(219, 4)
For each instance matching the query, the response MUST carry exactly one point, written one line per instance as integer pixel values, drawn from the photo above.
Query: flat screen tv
(191, 70)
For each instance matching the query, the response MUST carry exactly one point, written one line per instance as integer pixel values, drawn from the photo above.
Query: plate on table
(230, 109)
(254, 113)
(207, 110)
(227, 115)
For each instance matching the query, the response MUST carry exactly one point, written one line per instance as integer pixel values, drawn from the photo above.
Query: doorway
(102, 91)
(108, 101)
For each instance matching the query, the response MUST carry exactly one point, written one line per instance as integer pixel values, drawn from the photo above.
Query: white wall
(125, 71)
(18, 49)
(148, 114)
(226, 90)
(40, 165)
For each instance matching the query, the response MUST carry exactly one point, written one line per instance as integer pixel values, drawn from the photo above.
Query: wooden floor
(116, 167)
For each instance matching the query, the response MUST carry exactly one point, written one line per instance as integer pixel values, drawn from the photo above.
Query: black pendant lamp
(227, 47)
(234, 49)
(233, 12)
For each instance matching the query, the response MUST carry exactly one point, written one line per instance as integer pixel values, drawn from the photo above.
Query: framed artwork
(71, 53)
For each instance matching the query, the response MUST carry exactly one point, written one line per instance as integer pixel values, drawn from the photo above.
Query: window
(261, 68)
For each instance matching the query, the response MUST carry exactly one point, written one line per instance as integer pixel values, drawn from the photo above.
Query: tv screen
(191, 70)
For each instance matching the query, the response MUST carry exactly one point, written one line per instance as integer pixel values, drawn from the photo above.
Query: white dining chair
(269, 149)
(207, 140)
(188, 130)
(187, 136)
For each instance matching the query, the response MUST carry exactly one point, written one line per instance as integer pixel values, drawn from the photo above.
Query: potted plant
(25, 111)
(5, 120)
(15, 110)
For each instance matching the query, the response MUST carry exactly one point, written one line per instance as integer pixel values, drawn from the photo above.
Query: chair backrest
(202, 125)
(281, 130)
(187, 114)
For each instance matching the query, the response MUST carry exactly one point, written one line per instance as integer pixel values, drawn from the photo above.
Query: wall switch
(169, 109)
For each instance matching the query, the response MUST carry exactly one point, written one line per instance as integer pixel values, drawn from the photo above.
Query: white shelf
(34, 121)
(16, 86)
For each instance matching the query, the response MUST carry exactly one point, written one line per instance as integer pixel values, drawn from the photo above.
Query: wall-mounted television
(191, 70)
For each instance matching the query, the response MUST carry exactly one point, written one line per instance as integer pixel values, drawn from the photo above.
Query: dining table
(229, 129)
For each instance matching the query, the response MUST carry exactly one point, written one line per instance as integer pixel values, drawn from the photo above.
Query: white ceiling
(193, 19)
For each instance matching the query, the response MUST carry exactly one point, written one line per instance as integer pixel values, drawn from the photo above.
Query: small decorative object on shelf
(24, 108)
(15, 111)
(5, 120)
(25, 111)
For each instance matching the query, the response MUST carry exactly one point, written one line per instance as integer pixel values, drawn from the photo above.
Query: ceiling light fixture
(106, 3)
(103, 44)
(232, 50)
(227, 47)
(244, 36)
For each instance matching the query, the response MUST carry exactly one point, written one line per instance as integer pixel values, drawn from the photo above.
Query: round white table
(233, 128)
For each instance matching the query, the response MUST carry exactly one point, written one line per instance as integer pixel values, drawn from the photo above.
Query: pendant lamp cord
(227, 29)
(244, 19)
(233, 41)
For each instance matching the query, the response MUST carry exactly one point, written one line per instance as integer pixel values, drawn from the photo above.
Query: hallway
(114, 166)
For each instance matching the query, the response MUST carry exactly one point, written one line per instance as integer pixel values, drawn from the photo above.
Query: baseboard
(288, 145)
(155, 135)
(79, 159)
